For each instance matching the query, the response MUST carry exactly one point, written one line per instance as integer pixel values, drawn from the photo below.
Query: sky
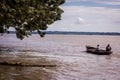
(89, 16)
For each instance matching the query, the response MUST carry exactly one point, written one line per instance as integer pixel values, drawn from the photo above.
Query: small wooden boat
(94, 50)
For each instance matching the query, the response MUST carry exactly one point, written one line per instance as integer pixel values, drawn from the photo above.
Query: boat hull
(98, 52)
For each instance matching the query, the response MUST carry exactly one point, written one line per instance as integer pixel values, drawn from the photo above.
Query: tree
(26, 16)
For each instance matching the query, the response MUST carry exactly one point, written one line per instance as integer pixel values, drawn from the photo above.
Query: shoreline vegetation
(76, 33)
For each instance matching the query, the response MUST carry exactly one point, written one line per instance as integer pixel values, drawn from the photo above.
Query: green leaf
(38, 14)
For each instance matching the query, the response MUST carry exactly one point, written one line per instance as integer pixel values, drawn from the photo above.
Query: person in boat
(108, 47)
(97, 47)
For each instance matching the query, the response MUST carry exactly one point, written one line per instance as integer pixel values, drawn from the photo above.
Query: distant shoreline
(75, 33)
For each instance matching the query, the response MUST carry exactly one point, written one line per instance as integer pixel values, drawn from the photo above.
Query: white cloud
(82, 18)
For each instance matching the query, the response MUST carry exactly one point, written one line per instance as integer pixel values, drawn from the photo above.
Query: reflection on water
(69, 51)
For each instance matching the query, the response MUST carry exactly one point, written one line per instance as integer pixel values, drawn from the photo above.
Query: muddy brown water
(66, 51)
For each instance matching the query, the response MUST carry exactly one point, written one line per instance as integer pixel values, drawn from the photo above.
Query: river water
(68, 53)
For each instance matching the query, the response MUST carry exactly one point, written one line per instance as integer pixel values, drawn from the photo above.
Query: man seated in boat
(108, 47)
(97, 47)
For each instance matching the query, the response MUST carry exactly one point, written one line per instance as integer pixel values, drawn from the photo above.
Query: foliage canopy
(27, 16)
